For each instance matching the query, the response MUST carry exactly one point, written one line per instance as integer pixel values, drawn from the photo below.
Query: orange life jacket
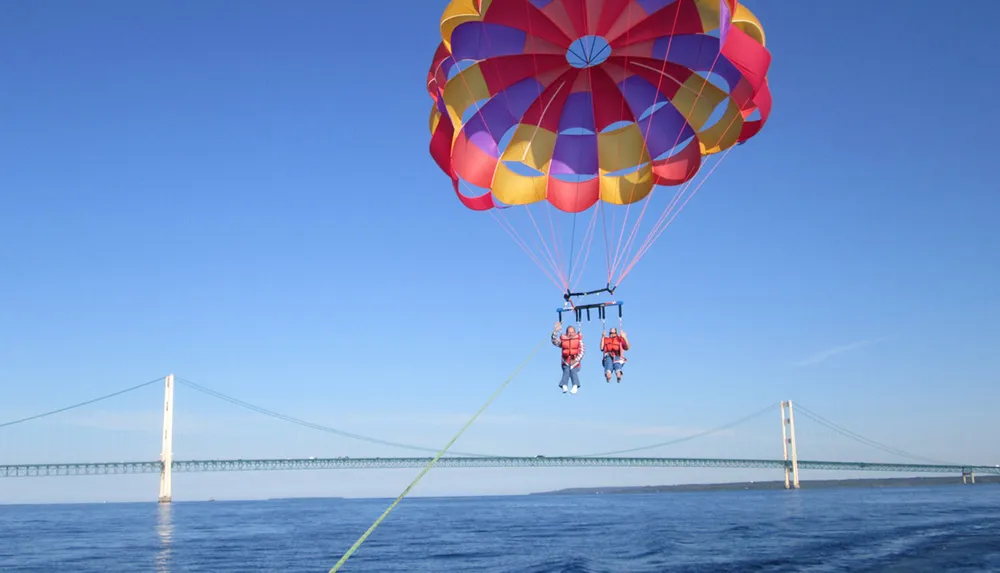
(613, 345)
(570, 347)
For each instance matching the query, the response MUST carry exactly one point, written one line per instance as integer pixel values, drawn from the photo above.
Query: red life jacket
(570, 347)
(613, 345)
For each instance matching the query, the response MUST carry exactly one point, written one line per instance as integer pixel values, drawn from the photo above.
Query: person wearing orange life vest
(614, 346)
(573, 349)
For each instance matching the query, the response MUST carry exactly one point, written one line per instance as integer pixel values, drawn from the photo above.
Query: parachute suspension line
(652, 239)
(680, 192)
(610, 267)
(588, 241)
(590, 86)
(604, 226)
(428, 467)
(628, 208)
(556, 248)
(515, 234)
(668, 212)
(556, 257)
(645, 138)
(621, 237)
(588, 236)
(555, 261)
(512, 232)
(629, 243)
(572, 244)
(660, 226)
(520, 242)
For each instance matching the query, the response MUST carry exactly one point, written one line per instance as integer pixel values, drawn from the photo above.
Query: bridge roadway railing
(117, 468)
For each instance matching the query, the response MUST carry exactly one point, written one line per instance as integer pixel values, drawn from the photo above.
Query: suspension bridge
(789, 464)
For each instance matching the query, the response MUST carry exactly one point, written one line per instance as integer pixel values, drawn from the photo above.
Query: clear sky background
(241, 194)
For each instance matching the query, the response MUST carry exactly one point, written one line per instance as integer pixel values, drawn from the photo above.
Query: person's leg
(565, 378)
(618, 370)
(608, 365)
(574, 375)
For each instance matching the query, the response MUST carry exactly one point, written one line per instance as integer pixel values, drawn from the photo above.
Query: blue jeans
(570, 373)
(610, 364)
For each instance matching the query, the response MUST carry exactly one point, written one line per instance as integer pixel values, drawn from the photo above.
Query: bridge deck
(116, 468)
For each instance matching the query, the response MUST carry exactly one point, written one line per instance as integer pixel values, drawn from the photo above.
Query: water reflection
(165, 531)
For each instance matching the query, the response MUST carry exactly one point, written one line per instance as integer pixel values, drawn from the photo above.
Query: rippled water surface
(897, 530)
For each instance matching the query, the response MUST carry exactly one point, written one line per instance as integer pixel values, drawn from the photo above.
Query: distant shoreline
(772, 485)
(870, 483)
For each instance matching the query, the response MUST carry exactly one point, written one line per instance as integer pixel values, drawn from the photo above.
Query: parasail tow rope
(428, 467)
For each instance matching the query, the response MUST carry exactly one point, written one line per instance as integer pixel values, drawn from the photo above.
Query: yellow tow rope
(426, 469)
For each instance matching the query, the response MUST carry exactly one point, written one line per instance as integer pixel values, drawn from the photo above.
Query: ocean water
(934, 529)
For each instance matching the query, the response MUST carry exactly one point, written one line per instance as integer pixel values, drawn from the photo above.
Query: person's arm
(625, 344)
(602, 342)
(579, 357)
(555, 335)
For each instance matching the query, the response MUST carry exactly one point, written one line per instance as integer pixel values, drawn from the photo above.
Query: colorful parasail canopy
(578, 103)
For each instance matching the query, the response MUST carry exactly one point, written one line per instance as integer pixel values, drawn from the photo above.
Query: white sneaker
(575, 388)
(563, 388)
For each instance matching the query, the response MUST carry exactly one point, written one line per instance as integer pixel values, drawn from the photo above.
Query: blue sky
(245, 198)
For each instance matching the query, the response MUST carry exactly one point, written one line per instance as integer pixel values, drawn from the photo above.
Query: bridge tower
(788, 440)
(167, 452)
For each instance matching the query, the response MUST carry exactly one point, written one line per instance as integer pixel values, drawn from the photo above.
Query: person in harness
(572, 348)
(614, 346)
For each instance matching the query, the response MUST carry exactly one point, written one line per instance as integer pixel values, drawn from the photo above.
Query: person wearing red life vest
(572, 348)
(614, 346)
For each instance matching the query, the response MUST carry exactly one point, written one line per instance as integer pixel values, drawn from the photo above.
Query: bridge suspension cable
(861, 439)
(328, 429)
(756, 414)
(815, 417)
(88, 402)
(313, 425)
